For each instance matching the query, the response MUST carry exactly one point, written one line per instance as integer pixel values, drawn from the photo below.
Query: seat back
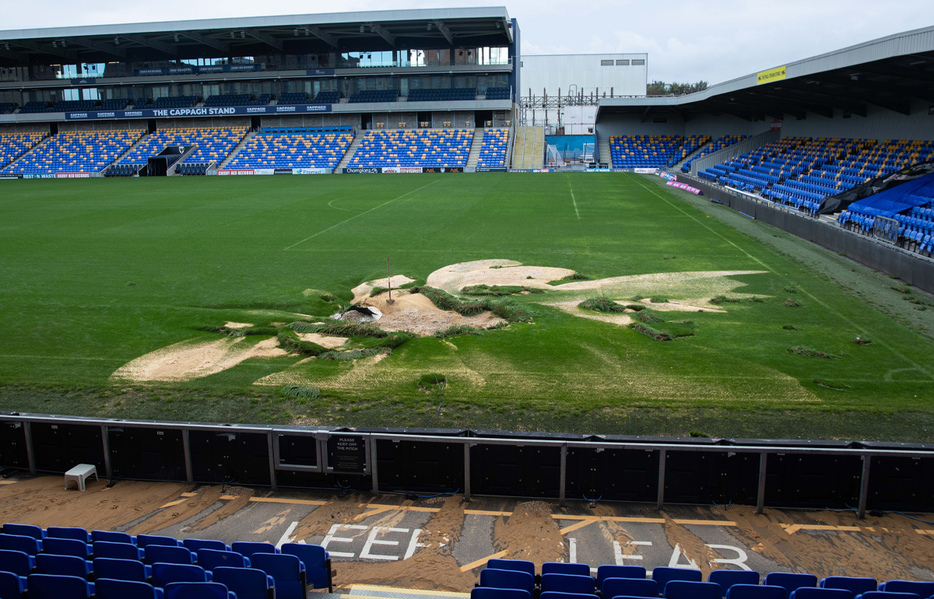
(69, 532)
(286, 570)
(663, 574)
(167, 554)
(196, 590)
(26, 544)
(507, 579)
(120, 569)
(116, 550)
(632, 587)
(17, 562)
(146, 540)
(565, 568)
(11, 585)
(790, 580)
(163, 574)
(53, 586)
(212, 558)
(613, 571)
(248, 548)
(493, 593)
(112, 536)
(727, 578)
(60, 546)
(317, 563)
(922, 588)
(854, 584)
(109, 588)
(196, 544)
(888, 595)
(512, 564)
(66, 565)
(756, 591)
(26, 530)
(567, 583)
(247, 583)
(688, 589)
(820, 593)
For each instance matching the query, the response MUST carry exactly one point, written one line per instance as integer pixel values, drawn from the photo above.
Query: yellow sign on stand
(771, 75)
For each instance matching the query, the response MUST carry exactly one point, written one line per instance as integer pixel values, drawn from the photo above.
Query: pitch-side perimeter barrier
(661, 470)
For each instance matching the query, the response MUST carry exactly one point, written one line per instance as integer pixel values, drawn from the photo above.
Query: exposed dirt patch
(323, 340)
(363, 291)
(692, 547)
(530, 533)
(432, 567)
(238, 325)
(44, 502)
(241, 499)
(416, 314)
(195, 358)
(320, 520)
(455, 277)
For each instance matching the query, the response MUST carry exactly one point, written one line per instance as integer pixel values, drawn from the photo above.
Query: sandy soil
(455, 277)
(416, 313)
(362, 291)
(323, 340)
(237, 325)
(194, 358)
(530, 533)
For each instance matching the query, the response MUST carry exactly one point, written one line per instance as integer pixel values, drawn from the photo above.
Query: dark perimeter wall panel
(234, 457)
(901, 483)
(13, 453)
(813, 481)
(147, 453)
(420, 466)
(517, 471)
(612, 474)
(699, 476)
(60, 447)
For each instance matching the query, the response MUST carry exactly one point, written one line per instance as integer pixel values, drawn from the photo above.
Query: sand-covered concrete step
(365, 591)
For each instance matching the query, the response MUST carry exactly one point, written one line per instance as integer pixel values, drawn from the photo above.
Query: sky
(686, 40)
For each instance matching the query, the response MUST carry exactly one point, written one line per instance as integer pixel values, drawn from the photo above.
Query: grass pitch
(97, 273)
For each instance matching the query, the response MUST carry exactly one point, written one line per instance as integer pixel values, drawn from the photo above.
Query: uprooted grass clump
(375, 339)
(300, 392)
(654, 326)
(499, 290)
(339, 328)
(802, 350)
(458, 329)
(601, 304)
(651, 332)
(574, 276)
(649, 317)
(505, 308)
(792, 303)
(290, 342)
(258, 330)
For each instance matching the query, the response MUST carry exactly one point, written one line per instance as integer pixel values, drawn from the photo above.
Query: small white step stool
(80, 474)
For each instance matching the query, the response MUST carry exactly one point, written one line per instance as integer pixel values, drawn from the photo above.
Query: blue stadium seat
(167, 554)
(17, 562)
(163, 574)
(630, 587)
(820, 593)
(663, 574)
(568, 583)
(790, 580)
(196, 544)
(108, 588)
(28, 545)
(116, 550)
(112, 536)
(562, 595)
(197, 590)
(25, 530)
(494, 593)
(317, 563)
(507, 579)
(756, 591)
(66, 547)
(888, 595)
(69, 532)
(212, 558)
(249, 548)
(565, 568)
(512, 564)
(922, 588)
(145, 540)
(52, 586)
(13, 586)
(121, 569)
(687, 589)
(605, 571)
(288, 572)
(728, 578)
(66, 565)
(247, 583)
(854, 584)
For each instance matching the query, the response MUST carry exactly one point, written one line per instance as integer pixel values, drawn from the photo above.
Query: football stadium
(370, 304)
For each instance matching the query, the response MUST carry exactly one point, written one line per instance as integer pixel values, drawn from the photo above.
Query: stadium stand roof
(889, 72)
(372, 31)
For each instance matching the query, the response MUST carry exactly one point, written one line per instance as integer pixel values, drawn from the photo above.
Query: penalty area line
(347, 220)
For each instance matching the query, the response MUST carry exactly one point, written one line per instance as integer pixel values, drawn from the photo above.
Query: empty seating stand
(374, 96)
(424, 148)
(493, 149)
(75, 152)
(295, 148)
(442, 95)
